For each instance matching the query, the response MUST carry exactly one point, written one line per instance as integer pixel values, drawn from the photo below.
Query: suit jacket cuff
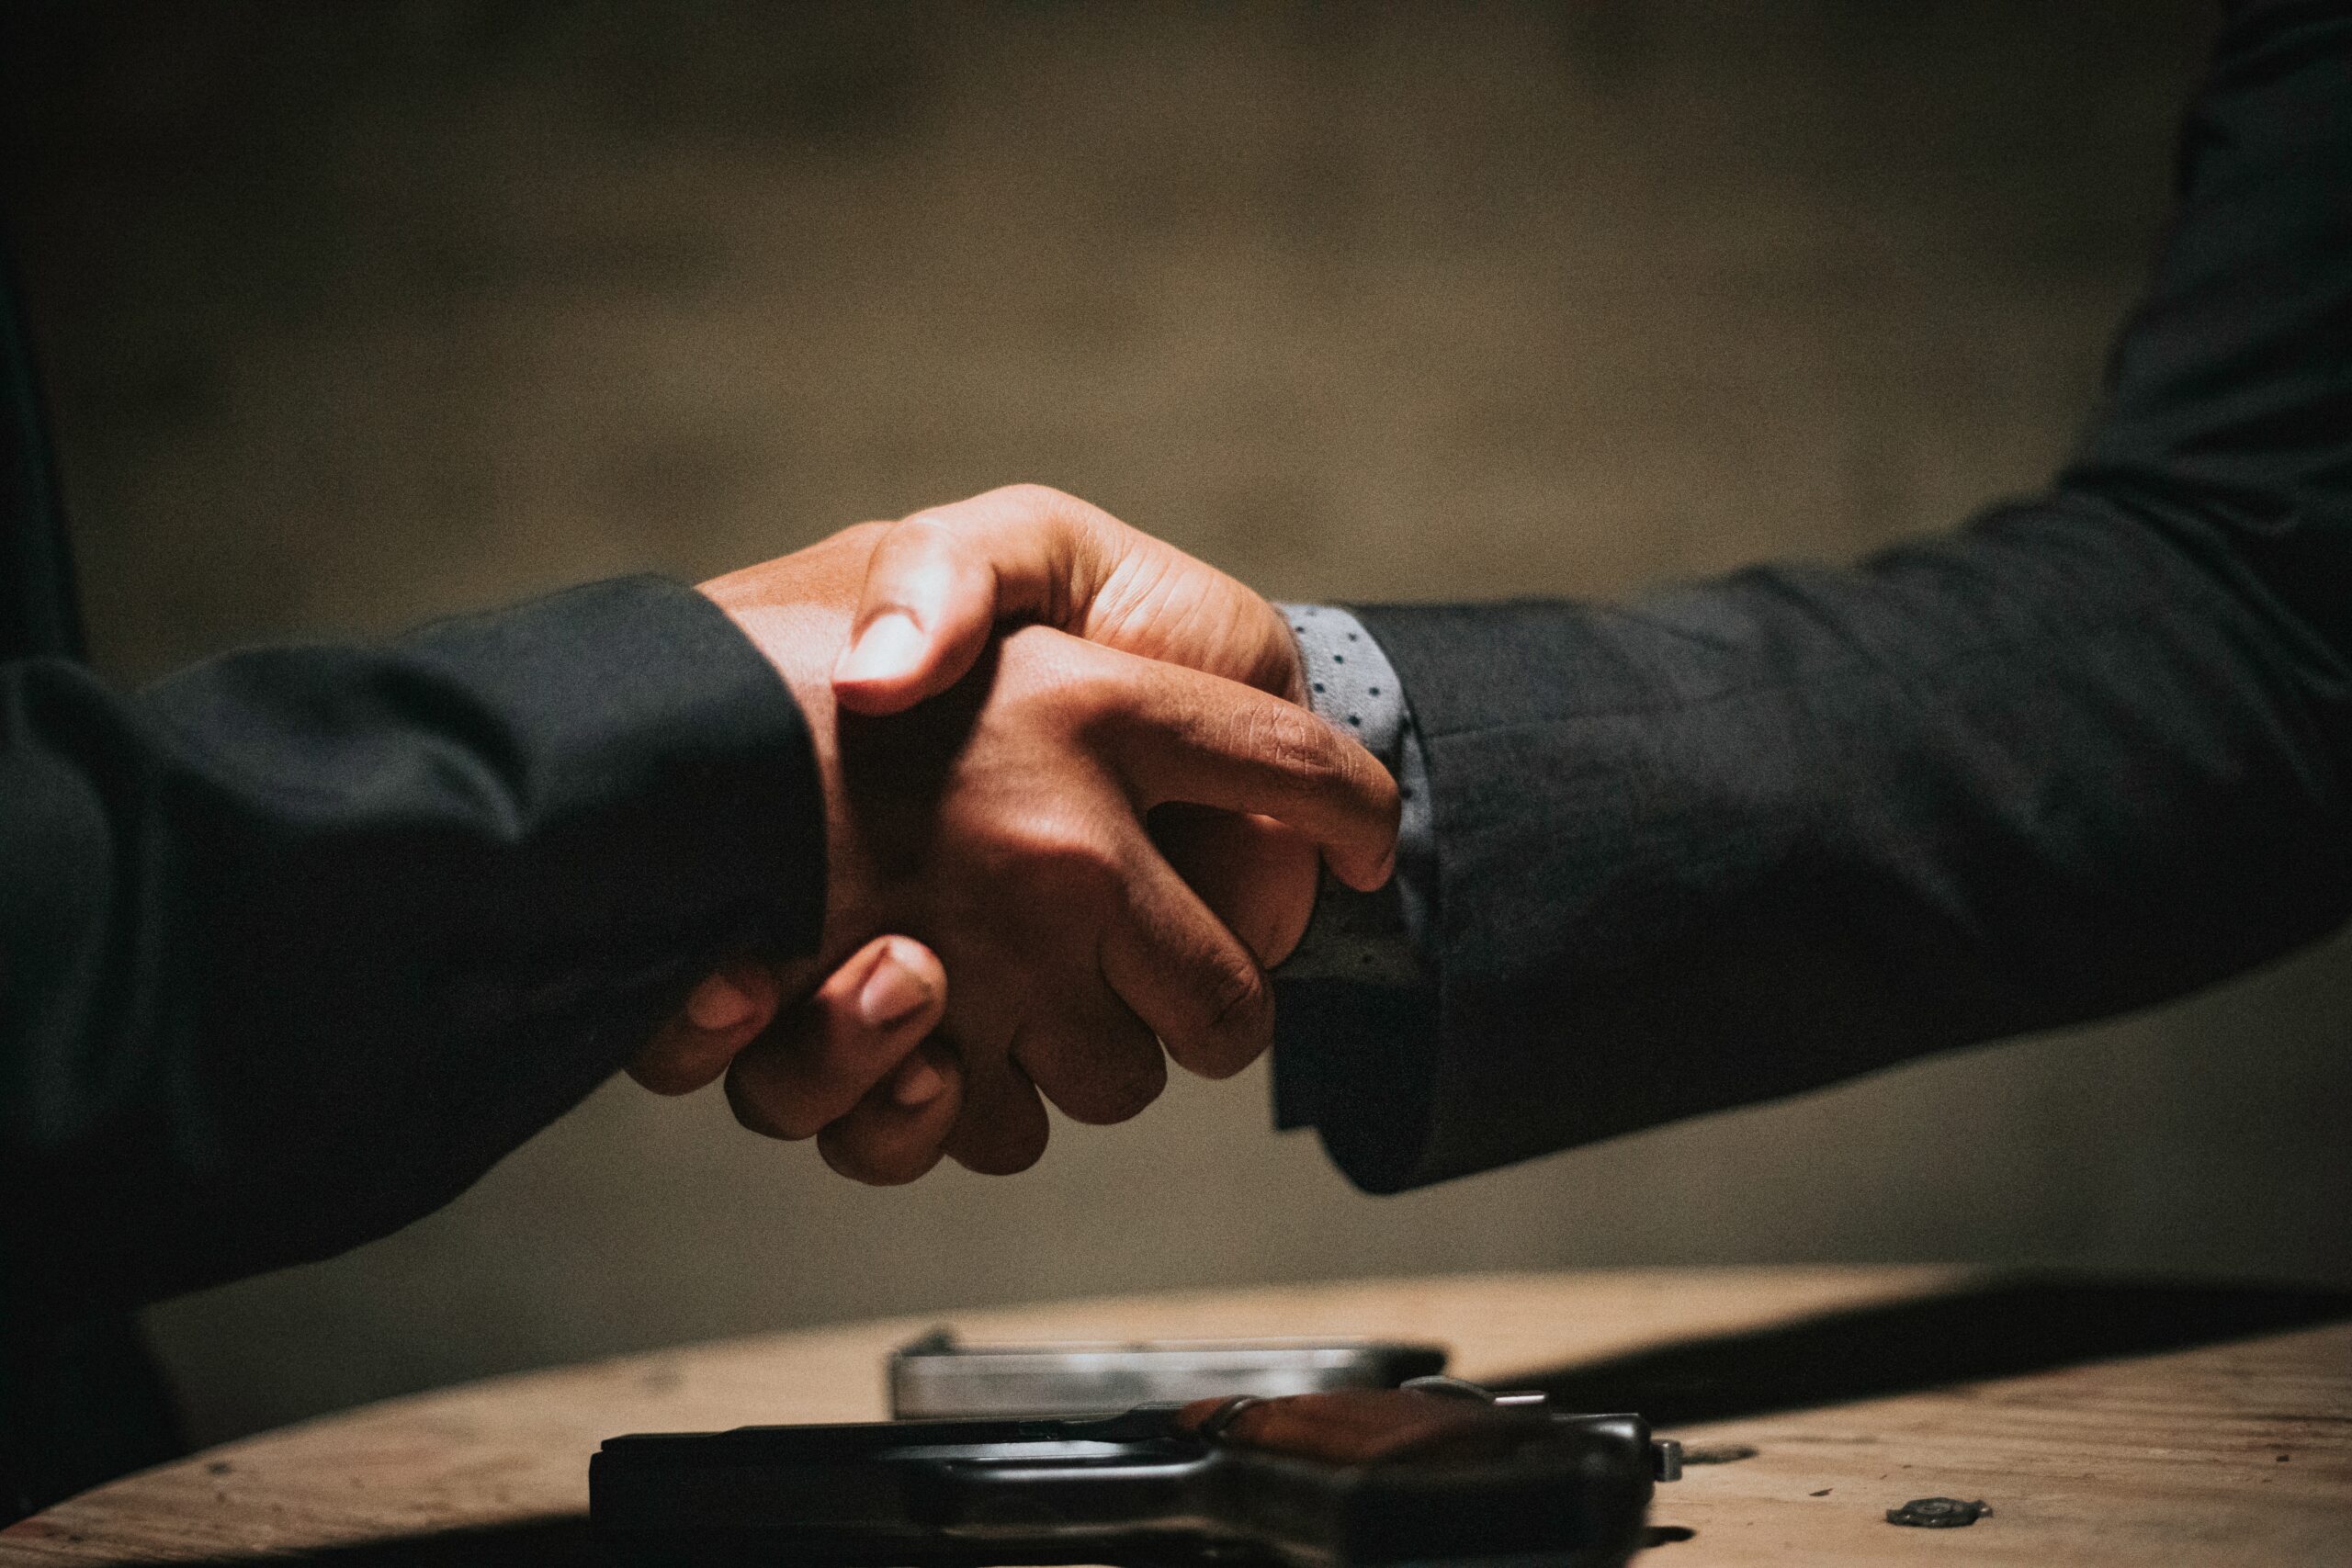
(650, 721)
(396, 909)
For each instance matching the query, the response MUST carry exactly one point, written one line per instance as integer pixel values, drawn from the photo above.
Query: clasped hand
(1075, 807)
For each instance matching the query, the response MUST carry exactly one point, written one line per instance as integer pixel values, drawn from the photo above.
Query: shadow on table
(532, 1543)
(2003, 1328)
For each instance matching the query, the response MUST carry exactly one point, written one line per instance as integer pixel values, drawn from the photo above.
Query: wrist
(796, 612)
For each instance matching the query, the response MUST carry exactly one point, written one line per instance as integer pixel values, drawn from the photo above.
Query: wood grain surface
(2104, 1422)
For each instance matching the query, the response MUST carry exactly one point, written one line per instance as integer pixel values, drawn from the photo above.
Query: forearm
(299, 942)
(1799, 825)
(1771, 832)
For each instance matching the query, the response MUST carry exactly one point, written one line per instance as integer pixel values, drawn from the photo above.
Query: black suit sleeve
(2089, 753)
(296, 945)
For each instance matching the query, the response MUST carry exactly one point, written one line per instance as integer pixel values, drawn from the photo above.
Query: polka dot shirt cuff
(1364, 937)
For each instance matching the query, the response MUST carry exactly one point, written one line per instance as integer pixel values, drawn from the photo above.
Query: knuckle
(1068, 678)
(1064, 854)
(1115, 1089)
(1099, 704)
(1075, 1043)
(924, 534)
(845, 1157)
(749, 1113)
(654, 1077)
(1239, 1021)
(1029, 496)
(1004, 1156)
(761, 1111)
(1295, 743)
(874, 1161)
(898, 1169)
(661, 1069)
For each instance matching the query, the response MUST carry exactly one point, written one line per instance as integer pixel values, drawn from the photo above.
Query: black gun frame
(1128, 1489)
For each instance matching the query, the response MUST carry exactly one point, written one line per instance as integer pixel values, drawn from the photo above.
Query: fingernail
(917, 1083)
(889, 649)
(892, 995)
(717, 1004)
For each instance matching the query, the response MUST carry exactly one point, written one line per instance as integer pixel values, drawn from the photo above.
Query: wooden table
(2104, 1424)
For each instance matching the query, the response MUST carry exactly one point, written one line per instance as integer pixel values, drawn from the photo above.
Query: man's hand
(848, 1063)
(944, 581)
(1001, 825)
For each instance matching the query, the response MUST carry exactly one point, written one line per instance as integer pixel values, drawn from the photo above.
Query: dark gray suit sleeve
(296, 945)
(1748, 838)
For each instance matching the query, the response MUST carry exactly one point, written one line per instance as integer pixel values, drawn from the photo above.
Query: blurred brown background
(356, 314)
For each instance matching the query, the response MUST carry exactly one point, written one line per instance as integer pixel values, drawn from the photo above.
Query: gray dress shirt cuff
(1369, 938)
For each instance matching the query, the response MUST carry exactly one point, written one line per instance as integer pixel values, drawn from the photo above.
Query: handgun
(1439, 1470)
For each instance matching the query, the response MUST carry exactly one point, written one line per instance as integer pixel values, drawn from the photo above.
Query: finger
(1092, 1055)
(1189, 736)
(721, 1015)
(1187, 977)
(899, 1130)
(827, 1052)
(940, 580)
(1002, 1128)
(1257, 876)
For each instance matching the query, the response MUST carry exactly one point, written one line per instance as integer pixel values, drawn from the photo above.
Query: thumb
(730, 1008)
(938, 582)
(856, 1031)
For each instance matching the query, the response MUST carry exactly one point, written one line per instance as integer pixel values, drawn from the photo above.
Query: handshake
(1076, 806)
